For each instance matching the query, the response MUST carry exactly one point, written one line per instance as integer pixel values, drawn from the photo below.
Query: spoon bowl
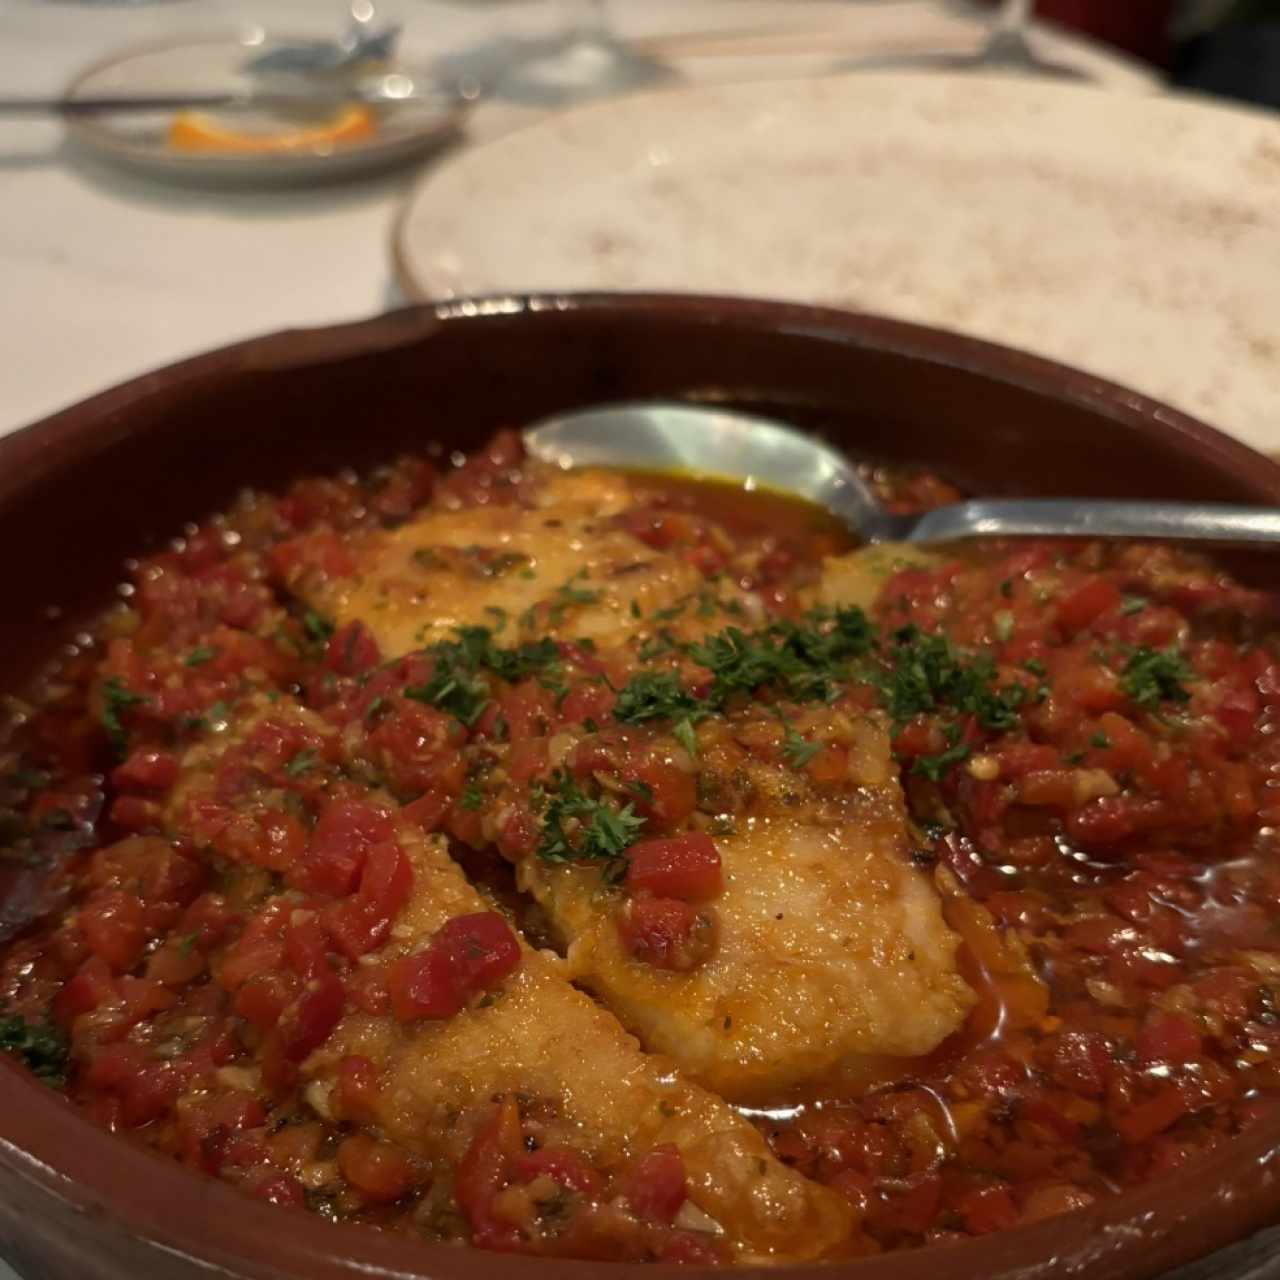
(709, 440)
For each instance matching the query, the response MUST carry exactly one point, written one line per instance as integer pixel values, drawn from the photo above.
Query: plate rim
(88, 132)
(418, 289)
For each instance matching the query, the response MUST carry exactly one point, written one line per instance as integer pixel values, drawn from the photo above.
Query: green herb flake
(1132, 604)
(684, 734)
(1152, 676)
(41, 1045)
(796, 749)
(200, 655)
(302, 763)
(935, 767)
(1100, 741)
(318, 629)
(927, 675)
(472, 798)
(115, 699)
(577, 828)
(654, 695)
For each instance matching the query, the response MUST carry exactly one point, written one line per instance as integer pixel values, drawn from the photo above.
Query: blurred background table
(106, 274)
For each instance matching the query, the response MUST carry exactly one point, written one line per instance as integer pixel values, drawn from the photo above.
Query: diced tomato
(85, 991)
(519, 835)
(685, 867)
(176, 963)
(207, 920)
(527, 759)
(1080, 1061)
(258, 949)
(358, 1088)
(429, 809)
(666, 932)
(985, 1209)
(669, 794)
(912, 1208)
(1093, 597)
(653, 1184)
(1168, 1037)
(306, 946)
(485, 1169)
(380, 1171)
(468, 954)
(320, 552)
(588, 700)
(343, 835)
(113, 926)
(147, 770)
(1144, 1120)
(136, 814)
(263, 999)
(306, 1024)
(361, 923)
(352, 650)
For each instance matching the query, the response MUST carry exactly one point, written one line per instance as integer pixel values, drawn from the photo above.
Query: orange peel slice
(197, 132)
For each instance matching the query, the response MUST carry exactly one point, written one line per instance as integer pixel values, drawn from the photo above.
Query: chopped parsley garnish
(1132, 604)
(797, 751)
(200, 655)
(41, 1045)
(576, 828)
(934, 767)
(657, 646)
(472, 797)
(318, 629)
(302, 762)
(115, 699)
(457, 684)
(802, 661)
(928, 675)
(684, 734)
(1152, 676)
(453, 687)
(671, 612)
(1100, 741)
(654, 695)
(568, 594)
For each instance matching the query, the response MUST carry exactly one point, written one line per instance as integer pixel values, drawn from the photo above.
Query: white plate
(215, 65)
(1135, 237)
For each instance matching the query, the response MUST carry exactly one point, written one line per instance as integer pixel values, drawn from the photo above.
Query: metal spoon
(668, 436)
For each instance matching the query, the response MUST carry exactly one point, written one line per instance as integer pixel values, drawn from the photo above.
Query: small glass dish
(143, 141)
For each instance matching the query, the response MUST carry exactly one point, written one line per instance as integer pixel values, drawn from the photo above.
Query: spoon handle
(1063, 517)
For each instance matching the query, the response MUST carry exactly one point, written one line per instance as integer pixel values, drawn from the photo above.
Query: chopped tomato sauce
(1086, 735)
